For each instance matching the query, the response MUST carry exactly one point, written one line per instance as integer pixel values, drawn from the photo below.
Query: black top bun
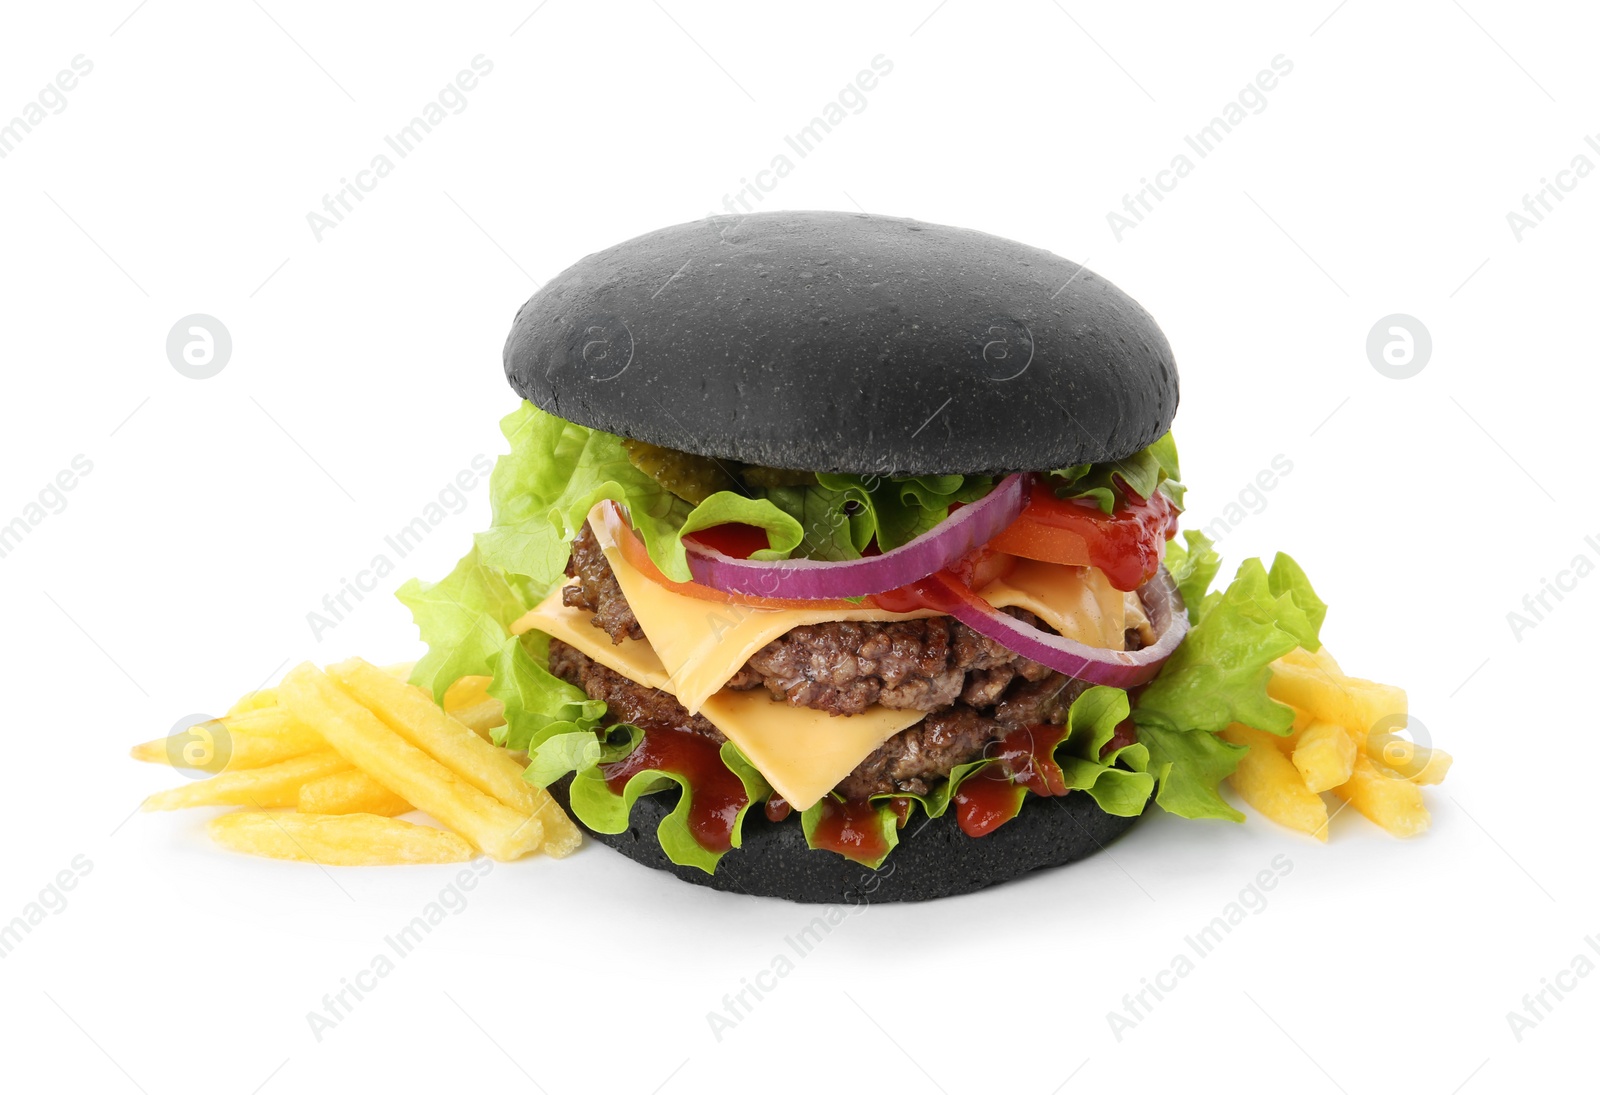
(933, 859)
(845, 342)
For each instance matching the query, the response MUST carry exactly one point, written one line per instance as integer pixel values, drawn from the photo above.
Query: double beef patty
(974, 690)
(841, 667)
(911, 762)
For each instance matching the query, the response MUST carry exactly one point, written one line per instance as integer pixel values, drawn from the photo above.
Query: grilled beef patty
(841, 667)
(911, 762)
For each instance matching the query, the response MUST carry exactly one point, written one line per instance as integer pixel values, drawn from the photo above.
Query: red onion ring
(969, 527)
(1118, 668)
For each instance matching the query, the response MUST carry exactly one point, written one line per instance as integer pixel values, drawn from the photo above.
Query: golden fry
(254, 701)
(350, 792)
(244, 751)
(1388, 799)
(1417, 763)
(274, 785)
(1269, 781)
(1357, 705)
(272, 721)
(466, 692)
(1324, 753)
(411, 713)
(344, 840)
(481, 718)
(366, 742)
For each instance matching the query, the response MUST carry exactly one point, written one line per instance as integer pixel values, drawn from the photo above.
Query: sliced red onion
(1118, 668)
(969, 527)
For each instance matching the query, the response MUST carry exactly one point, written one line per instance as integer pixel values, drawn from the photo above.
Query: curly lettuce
(1219, 673)
(1118, 780)
(1151, 469)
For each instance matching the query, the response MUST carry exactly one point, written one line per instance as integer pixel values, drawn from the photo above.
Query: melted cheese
(802, 752)
(1079, 602)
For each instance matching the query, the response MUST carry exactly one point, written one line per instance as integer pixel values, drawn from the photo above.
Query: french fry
(274, 785)
(254, 701)
(350, 792)
(1269, 782)
(272, 721)
(1325, 754)
(481, 717)
(1302, 657)
(1417, 763)
(244, 751)
(466, 692)
(344, 840)
(366, 742)
(1386, 798)
(1354, 704)
(411, 713)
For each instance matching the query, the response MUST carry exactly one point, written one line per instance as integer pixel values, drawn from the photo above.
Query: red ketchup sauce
(1126, 544)
(716, 794)
(851, 827)
(1023, 761)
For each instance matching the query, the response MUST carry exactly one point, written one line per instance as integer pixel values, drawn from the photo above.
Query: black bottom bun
(934, 858)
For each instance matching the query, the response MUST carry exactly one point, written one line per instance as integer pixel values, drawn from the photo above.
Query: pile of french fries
(326, 761)
(1341, 743)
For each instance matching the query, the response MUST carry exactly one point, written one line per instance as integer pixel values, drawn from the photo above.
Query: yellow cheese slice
(1079, 602)
(803, 752)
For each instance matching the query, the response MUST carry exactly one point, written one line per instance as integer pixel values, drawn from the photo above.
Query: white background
(366, 373)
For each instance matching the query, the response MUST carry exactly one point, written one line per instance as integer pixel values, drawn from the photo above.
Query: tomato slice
(738, 541)
(1126, 544)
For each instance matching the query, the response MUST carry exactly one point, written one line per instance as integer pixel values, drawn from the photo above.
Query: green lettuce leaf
(538, 705)
(899, 510)
(556, 471)
(1194, 565)
(465, 618)
(1152, 468)
(605, 811)
(1219, 674)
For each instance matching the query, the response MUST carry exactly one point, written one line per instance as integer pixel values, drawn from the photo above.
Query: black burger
(834, 559)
